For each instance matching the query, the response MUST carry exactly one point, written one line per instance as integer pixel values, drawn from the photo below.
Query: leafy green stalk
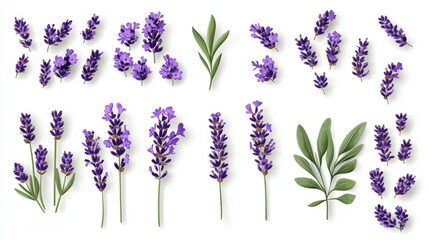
(31, 191)
(62, 188)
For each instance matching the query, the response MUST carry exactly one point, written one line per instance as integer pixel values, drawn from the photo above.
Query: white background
(190, 197)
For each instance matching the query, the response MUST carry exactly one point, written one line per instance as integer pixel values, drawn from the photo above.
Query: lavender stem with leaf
(306, 54)
(22, 29)
(21, 65)
(152, 31)
(89, 32)
(393, 31)
(29, 191)
(359, 64)
(45, 72)
(383, 143)
(91, 66)
(57, 130)
(67, 170)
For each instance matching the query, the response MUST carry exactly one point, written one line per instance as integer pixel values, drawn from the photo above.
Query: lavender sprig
(265, 34)
(401, 216)
(404, 184)
(401, 122)
(62, 65)
(390, 73)
(29, 191)
(140, 70)
(54, 36)
(153, 30)
(123, 61)
(21, 65)
(66, 169)
(89, 32)
(127, 34)
(41, 166)
(377, 181)
(267, 70)
(163, 146)
(22, 29)
(359, 64)
(45, 72)
(383, 143)
(27, 130)
(57, 130)
(393, 31)
(306, 54)
(323, 22)
(91, 66)
(321, 82)
(334, 39)
(170, 69)
(383, 217)
(404, 152)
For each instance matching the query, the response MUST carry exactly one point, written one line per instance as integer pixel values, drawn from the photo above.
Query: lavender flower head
(401, 122)
(260, 145)
(265, 34)
(164, 141)
(57, 124)
(218, 153)
(21, 65)
(27, 128)
(170, 69)
(91, 66)
(359, 64)
(401, 216)
(62, 65)
(383, 143)
(306, 54)
(66, 165)
(404, 152)
(89, 32)
(21, 28)
(334, 39)
(153, 30)
(123, 61)
(383, 217)
(41, 163)
(393, 31)
(390, 73)
(404, 184)
(321, 82)
(20, 175)
(377, 181)
(323, 22)
(127, 34)
(54, 36)
(267, 70)
(140, 70)
(45, 72)
(92, 149)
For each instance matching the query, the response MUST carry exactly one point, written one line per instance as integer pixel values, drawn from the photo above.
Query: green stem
(327, 208)
(55, 167)
(220, 199)
(32, 160)
(41, 208)
(102, 209)
(265, 190)
(40, 193)
(159, 199)
(154, 60)
(210, 86)
(59, 199)
(120, 190)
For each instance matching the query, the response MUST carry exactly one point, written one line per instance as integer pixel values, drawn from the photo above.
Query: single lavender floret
(359, 64)
(393, 31)
(321, 82)
(306, 54)
(383, 217)
(404, 184)
(20, 174)
(265, 34)
(91, 66)
(323, 22)
(377, 181)
(401, 122)
(153, 30)
(267, 70)
(62, 65)
(383, 143)
(404, 152)
(334, 39)
(170, 69)
(140, 70)
(401, 216)
(22, 29)
(21, 65)
(41, 163)
(390, 73)
(123, 61)
(89, 32)
(127, 34)
(45, 72)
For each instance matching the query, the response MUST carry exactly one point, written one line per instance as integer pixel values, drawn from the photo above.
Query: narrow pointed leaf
(307, 183)
(211, 31)
(69, 184)
(322, 139)
(31, 186)
(204, 62)
(25, 189)
(216, 66)
(304, 143)
(36, 187)
(201, 43)
(349, 155)
(352, 138)
(315, 203)
(330, 150)
(25, 194)
(346, 198)
(304, 164)
(346, 168)
(219, 42)
(57, 181)
(344, 184)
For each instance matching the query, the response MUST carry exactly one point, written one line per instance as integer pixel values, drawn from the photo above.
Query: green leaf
(36, 187)
(347, 167)
(25, 189)
(346, 198)
(307, 183)
(344, 184)
(25, 194)
(349, 155)
(211, 31)
(57, 181)
(31, 186)
(352, 138)
(215, 66)
(219, 42)
(200, 41)
(330, 149)
(322, 139)
(304, 143)
(204, 62)
(69, 184)
(304, 164)
(315, 203)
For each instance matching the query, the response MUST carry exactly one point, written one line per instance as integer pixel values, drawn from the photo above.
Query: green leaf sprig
(64, 187)
(31, 191)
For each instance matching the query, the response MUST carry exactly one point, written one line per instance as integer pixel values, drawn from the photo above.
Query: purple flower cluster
(20, 175)
(383, 143)
(323, 22)
(152, 30)
(66, 165)
(401, 216)
(89, 32)
(393, 31)
(127, 34)
(21, 65)
(57, 124)
(404, 152)
(404, 184)
(54, 36)
(334, 39)
(41, 164)
(377, 181)
(386, 220)
(390, 73)
(306, 54)
(123, 61)
(45, 72)
(267, 70)
(140, 70)
(91, 66)
(21, 28)
(265, 34)
(218, 153)
(321, 82)
(401, 122)
(170, 69)
(92, 149)
(62, 65)
(27, 128)
(359, 64)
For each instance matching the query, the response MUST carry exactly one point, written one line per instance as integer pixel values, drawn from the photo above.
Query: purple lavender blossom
(123, 61)
(92, 149)
(27, 128)
(393, 31)
(321, 82)
(127, 34)
(89, 32)
(21, 65)
(62, 65)
(404, 152)
(20, 175)
(218, 153)
(21, 28)
(323, 22)
(170, 69)
(391, 72)
(383, 217)
(306, 54)
(383, 143)
(66, 165)
(91, 66)
(41, 163)
(404, 184)
(359, 64)
(153, 30)
(140, 70)
(267, 70)
(45, 72)
(334, 39)
(54, 36)
(401, 122)
(265, 34)
(377, 181)
(57, 125)
(401, 216)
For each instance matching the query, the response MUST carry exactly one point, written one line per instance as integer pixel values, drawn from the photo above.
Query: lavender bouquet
(343, 163)
(163, 146)
(89, 32)
(57, 130)
(22, 29)
(54, 36)
(209, 48)
(21, 65)
(359, 64)
(393, 31)
(386, 220)
(152, 31)
(62, 65)
(91, 66)
(67, 170)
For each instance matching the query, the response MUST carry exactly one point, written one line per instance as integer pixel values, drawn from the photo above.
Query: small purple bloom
(91, 66)
(401, 216)
(66, 165)
(334, 39)
(153, 30)
(359, 64)
(62, 65)
(267, 70)
(383, 217)
(57, 125)
(170, 69)
(21, 28)
(89, 32)
(405, 150)
(92, 150)
(140, 70)
(390, 73)
(404, 184)
(265, 34)
(401, 122)
(20, 175)
(41, 164)
(218, 154)
(127, 34)
(45, 72)
(383, 143)
(377, 181)
(54, 36)
(323, 22)
(21, 65)
(27, 128)
(393, 31)
(306, 54)
(123, 61)
(321, 82)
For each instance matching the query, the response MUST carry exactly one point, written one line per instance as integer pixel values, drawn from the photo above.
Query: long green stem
(159, 199)
(120, 190)
(32, 160)
(220, 199)
(327, 208)
(154, 60)
(55, 167)
(266, 204)
(59, 199)
(102, 209)
(40, 193)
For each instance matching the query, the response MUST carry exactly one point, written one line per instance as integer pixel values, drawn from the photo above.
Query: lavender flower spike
(359, 64)
(127, 34)
(89, 32)
(260, 145)
(404, 152)
(20, 174)
(123, 61)
(41, 166)
(404, 184)
(390, 73)
(21, 65)
(66, 169)
(27, 128)
(306, 54)
(323, 22)
(91, 66)
(57, 129)
(170, 69)
(377, 181)
(383, 143)
(401, 216)
(334, 39)
(45, 72)
(321, 82)
(267, 70)
(401, 122)
(62, 65)
(153, 30)
(21, 28)
(383, 217)
(54, 36)
(140, 70)
(393, 31)
(265, 34)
